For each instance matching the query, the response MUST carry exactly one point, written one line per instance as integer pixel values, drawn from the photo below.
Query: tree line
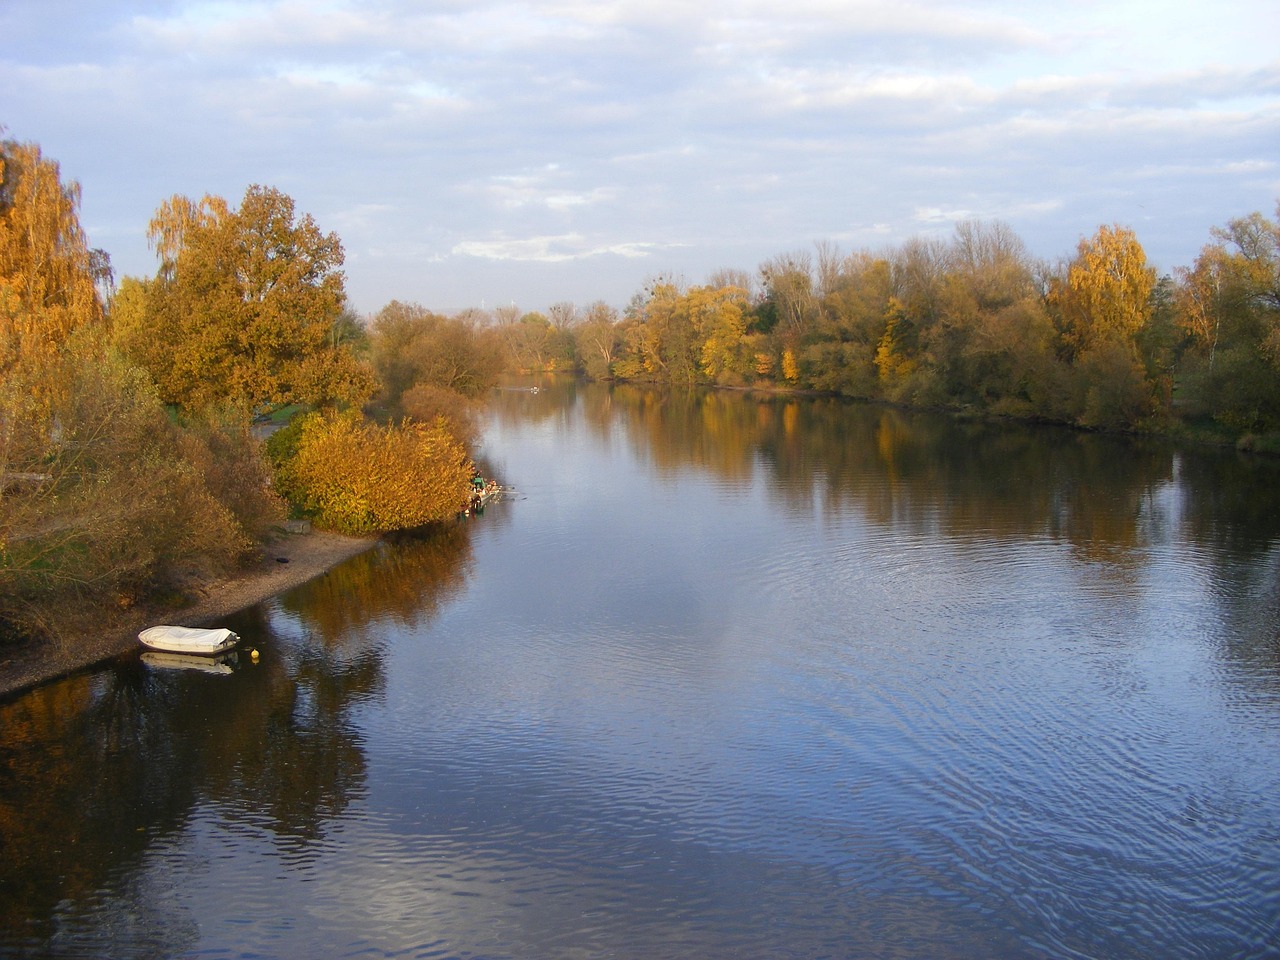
(129, 463)
(971, 323)
(128, 458)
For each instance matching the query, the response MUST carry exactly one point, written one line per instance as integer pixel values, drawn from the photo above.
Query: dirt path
(304, 556)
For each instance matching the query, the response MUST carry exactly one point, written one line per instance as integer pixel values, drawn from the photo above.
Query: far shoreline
(288, 561)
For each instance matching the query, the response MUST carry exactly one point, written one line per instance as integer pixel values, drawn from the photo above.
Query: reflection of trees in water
(515, 401)
(293, 760)
(677, 429)
(963, 481)
(89, 775)
(920, 472)
(404, 580)
(1235, 509)
(97, 768)
(1111, 499)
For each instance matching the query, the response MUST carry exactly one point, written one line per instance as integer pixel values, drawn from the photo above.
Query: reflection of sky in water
(709, 718)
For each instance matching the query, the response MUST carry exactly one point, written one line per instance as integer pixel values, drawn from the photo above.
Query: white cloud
(514, 191)
(550, 249)
(939, 215)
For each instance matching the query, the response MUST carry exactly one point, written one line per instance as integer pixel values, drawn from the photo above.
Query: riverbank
(289, 561)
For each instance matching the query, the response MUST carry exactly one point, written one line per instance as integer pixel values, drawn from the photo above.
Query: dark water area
(726, 676)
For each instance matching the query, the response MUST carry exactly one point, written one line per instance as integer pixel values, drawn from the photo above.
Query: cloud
(550, 249)
(496, 133)
(533, 190)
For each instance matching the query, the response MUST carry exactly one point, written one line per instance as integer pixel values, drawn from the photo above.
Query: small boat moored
(192, 640)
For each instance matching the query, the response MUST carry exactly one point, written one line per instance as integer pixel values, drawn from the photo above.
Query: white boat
(204, 642)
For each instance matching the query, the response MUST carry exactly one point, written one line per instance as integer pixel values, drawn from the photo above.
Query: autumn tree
(1102, 305)
(841, 356)
(116, 498)
(412, 348)
(789, 296)
(720, 319)
(1106, 294)
(246, 307)
(598, 340)
(102, 496)
(993, 337)
(662, 344)
(912, 356)
(1228, 304)
(535, 342)
(49, 277)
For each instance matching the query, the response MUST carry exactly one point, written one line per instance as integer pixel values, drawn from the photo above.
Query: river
(724, 677)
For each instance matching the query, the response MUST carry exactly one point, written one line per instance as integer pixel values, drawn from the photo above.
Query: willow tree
(48, 273)
(243, 307)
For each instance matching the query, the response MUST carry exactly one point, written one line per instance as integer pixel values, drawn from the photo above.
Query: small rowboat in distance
(195, 640)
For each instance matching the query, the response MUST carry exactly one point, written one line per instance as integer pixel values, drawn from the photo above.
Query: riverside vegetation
(128, 462)
(971, 324)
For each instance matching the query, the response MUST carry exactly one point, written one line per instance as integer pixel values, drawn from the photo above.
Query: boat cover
(189, 639)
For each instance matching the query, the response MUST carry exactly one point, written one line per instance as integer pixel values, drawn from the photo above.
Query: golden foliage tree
(1107, 292)
(358, 477)
(243, 308)
(683, 337)
(48, 273)
(101, 497)
(896, 352)
(720, 321)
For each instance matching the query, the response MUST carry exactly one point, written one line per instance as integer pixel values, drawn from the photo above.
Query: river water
(726, 676)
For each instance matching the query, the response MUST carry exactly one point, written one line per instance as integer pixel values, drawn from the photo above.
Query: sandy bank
(289, 561)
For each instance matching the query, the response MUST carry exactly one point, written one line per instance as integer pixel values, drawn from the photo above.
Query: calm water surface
(727, 677)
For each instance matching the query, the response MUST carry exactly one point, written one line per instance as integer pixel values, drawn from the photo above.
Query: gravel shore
(289, 561)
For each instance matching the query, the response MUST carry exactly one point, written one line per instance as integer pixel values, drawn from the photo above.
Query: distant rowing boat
(192, 640)
(482, 491)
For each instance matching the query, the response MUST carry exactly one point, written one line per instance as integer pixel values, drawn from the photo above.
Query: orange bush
(358, 477)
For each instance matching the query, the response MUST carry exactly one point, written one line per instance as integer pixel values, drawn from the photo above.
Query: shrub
(356, 477)
(233, 463)
(108, 505)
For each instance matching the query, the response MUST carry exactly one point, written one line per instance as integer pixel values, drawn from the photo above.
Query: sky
(481, 153)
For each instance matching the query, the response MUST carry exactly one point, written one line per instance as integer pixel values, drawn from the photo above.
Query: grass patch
(282, 415)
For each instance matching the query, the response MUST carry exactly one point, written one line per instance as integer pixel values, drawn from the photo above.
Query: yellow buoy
(253, 655)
